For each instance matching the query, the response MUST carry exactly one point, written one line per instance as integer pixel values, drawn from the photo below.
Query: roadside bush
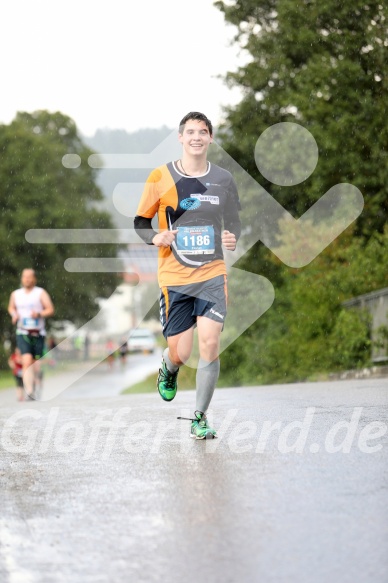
(350, 340)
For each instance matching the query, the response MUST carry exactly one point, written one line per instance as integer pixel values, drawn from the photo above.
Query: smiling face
(195, 138)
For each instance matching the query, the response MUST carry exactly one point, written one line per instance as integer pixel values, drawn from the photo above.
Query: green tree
(321, 64)
(307, 330)
(38, 191)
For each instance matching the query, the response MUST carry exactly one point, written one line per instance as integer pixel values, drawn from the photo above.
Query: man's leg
(28, 374)
(207, 375)
(179, 348)
(178, 321)
(38, 379)
(19, 389)
(208, 370)
(177, 353)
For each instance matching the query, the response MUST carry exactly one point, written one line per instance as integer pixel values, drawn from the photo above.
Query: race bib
(30, 323)
(195, 240)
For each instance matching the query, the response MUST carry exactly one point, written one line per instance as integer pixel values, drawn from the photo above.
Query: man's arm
(232, 222)
(145, 231)
(12, 311)
(229, 240)
(147, 209)
(48, 307)
(143, 228)
(11, 363)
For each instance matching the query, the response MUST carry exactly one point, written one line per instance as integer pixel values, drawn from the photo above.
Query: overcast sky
(116, 64)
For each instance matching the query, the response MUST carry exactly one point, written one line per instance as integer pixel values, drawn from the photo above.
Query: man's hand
(15, 317)
(164, 239)
(229, 240)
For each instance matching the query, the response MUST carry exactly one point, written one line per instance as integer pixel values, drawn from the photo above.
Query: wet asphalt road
(88, 380)
(113, 489)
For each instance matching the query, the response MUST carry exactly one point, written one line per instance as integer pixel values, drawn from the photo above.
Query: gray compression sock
(207, 376)
(170, 365)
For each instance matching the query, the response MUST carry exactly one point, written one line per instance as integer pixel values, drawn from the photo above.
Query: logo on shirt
(207, 198)
(190, 204)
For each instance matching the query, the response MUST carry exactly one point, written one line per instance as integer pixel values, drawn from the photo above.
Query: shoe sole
(164, 398)
(207, 436)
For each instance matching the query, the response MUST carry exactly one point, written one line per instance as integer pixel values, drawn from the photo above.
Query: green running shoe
(167, 383)
(199, 427)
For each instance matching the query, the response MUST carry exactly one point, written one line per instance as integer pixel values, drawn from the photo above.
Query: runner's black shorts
(180, 305)
(30, 344)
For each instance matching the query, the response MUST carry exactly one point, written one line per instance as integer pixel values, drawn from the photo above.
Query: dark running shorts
(29, 344)
(181, 304)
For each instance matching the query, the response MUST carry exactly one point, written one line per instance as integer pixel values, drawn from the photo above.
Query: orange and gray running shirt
(199, 207)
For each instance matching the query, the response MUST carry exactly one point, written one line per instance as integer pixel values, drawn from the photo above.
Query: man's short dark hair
(197, 116)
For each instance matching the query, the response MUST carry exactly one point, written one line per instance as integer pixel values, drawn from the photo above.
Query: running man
(197, 206)
(28, 308)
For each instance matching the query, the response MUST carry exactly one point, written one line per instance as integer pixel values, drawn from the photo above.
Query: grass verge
(7, 380)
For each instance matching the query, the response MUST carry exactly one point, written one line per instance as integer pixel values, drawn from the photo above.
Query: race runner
(197, 205)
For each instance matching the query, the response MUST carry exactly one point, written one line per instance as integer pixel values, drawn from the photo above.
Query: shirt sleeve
(148, 207)
(143, 228)
(232, 221)
(150, 198)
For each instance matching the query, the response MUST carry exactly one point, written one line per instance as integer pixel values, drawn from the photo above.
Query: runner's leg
(208, 370)
(38, 379)
(179, 349)
(28, 373)
(19, 389)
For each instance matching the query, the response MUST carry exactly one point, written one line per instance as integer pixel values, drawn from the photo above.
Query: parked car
(141, 340)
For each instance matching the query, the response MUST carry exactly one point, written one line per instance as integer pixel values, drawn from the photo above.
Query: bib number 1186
(195, 240)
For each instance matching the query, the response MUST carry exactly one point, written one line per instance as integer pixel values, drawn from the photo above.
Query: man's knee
(179, 352)
(209, 347)
(27, 360)
(178, 355)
